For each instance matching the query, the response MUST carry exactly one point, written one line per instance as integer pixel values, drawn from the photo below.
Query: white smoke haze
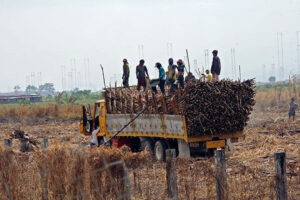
(43, 36)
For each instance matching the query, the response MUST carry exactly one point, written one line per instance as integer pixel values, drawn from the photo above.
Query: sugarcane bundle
(221, 107)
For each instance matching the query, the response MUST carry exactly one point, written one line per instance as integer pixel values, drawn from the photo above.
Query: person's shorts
(292, 114)
(142, 81)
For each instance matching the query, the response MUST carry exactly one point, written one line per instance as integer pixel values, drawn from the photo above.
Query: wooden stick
(240, 73)
(171, 175)
(155, 102)
(163, 104)
(103, 76)
(221, 183)
(280, 177)
(147, 102)
(188, 59)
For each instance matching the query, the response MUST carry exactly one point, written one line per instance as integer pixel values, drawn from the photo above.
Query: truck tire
(147, 145)
(160, 150)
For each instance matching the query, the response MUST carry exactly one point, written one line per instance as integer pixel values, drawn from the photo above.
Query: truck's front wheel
(160, 150)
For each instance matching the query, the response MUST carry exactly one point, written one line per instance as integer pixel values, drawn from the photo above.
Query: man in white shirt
(94, 140)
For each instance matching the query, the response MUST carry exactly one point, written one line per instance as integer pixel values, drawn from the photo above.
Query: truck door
(102, 118)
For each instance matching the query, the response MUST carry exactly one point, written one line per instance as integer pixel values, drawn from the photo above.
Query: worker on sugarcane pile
(180, 69)
(171, 74)
(126, 71)
(207, 76)
(162, 78)
(216, 66)
(293, 108)
(141, 72)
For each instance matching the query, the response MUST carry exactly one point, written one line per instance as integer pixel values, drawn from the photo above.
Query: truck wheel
(160, 150)
(147, 145)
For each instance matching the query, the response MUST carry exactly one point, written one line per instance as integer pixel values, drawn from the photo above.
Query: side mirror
(84, 116)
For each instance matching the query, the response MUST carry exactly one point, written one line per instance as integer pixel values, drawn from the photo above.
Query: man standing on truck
(207, 77)
(171, 74)
(125, 76)
(141, 72)
(162, 79)
(216, 66)
(180, 69)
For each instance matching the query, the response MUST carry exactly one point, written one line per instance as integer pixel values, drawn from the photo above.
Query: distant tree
(31, 89)
(272, 79)
(17, 88)
(47, 89)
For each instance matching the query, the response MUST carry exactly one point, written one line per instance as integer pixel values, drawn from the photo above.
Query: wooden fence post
(8, 142)
(221, 183)
(45, 143)
(43, 171)
(280, 177)
(172, 188)
(126, 183)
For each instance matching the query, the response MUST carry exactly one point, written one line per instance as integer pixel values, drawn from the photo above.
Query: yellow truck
(150, 132)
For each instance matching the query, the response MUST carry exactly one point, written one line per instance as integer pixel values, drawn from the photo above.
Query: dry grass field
(69, 170)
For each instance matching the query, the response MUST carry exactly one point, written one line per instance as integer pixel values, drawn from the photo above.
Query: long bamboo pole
(188, 59)
(103, 75)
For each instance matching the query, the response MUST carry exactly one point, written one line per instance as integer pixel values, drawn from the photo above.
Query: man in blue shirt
(162, 78)
(180, 69)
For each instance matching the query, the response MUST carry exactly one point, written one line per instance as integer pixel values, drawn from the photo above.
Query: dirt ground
(251, 160)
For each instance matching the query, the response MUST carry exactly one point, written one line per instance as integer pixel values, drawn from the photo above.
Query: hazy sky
(42, 36)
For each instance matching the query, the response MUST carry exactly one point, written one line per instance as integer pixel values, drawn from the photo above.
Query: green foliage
(277, 85)
(31, 89)
(272, 79)
(47, 88)
(17, 88)
(76, 96)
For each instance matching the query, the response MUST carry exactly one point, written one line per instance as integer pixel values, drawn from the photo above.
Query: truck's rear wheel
(160, 150)
(147, 145)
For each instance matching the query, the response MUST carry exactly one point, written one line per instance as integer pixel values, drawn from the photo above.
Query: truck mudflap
(215, 144)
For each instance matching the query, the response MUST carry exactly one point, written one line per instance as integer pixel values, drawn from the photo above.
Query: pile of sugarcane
(209, 108)
(215, 108)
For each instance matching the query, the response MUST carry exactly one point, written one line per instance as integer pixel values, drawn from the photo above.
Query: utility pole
(70, 78)
(233, 63)
(89, 77)
(32, 76)
(280, 55)
(169, 49)
(141, 51)
(206, 58)
(298, 51)
(39, 79)
(63, 77)
(263, 73)
(27, 80)
(195, 64)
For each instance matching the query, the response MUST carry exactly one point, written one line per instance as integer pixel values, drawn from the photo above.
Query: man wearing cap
(180, 69)
(216, 66)
(126, 71)
(141, 72)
